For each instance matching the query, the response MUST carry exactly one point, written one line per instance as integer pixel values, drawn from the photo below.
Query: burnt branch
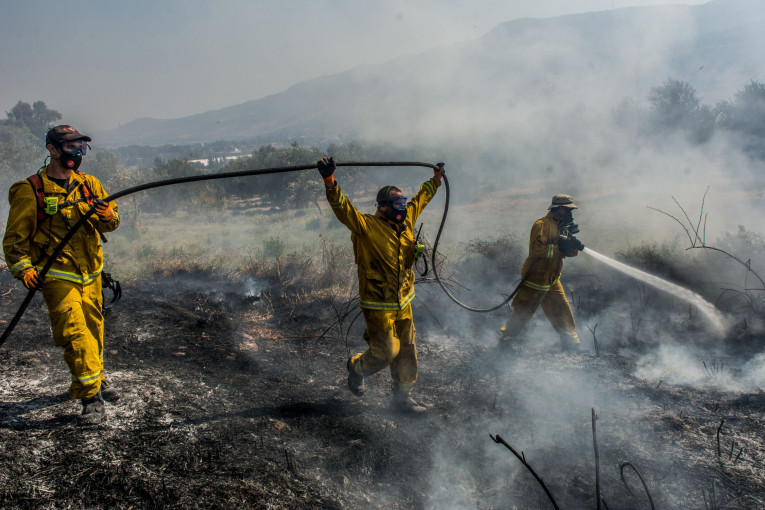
(594, 338)
(645, 486)
(597, 459)
(696, 233)
(687, 232)
(719, 427)
(747, 264)
(698, 239)
(701, 214)
(522, 458)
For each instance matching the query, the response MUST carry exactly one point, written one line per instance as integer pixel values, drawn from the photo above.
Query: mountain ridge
(514, 69)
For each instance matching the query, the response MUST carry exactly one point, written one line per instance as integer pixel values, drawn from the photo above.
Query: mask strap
(387, 198)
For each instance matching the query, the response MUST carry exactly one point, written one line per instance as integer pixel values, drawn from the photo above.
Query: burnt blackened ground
(233, 399)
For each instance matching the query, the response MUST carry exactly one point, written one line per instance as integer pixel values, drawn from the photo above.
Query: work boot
(355, 381)
(108, 392)
(402, 403)
(506, 344)
(93, 411)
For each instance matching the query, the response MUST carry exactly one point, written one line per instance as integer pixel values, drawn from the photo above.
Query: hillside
(520, 69)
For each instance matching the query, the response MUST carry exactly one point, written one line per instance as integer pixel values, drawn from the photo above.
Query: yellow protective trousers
(78, 327)
(555, 306)
(390, 336)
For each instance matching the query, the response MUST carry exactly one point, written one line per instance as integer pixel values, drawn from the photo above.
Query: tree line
(674, 107)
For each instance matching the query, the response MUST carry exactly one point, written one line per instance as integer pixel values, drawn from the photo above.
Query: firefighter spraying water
(550, 241)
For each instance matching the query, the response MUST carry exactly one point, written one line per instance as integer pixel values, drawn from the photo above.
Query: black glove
(569, 243)
(326, 167)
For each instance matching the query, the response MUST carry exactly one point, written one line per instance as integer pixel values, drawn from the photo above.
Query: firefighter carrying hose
(384, 249)
(551, 240)
(42, 209)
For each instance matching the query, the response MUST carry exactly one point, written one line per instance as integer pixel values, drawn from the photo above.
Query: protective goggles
(397, 203)
(75, 147)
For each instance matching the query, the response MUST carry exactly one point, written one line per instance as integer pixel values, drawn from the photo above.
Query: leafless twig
(698, 239)
(597, 459)
(645, 487)
(718, 436)
(595, 338)
(522, 458)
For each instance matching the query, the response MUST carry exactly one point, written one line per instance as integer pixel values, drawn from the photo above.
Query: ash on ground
(225, 403)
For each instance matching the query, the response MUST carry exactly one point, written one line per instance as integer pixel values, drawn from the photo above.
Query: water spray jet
(707, 309)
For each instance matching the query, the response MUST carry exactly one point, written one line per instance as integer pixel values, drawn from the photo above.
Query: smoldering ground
(659, 340)
(227, 401)
(207, 418)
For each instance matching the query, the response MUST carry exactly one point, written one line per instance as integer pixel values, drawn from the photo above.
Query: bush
(649, 257)
(505, 252)
(147, 251)
(273, 247)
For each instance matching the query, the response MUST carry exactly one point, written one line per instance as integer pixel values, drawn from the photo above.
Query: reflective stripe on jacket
(544, 254)
(26, 241)
(383, 250)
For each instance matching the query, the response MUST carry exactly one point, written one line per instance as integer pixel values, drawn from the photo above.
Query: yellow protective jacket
(27, 241)
(544, 254)
(384, 251)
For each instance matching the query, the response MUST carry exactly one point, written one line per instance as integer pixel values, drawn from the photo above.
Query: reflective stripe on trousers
(372, 305)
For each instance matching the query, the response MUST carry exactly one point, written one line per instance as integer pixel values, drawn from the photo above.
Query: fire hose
(243, 173)
(438, 279)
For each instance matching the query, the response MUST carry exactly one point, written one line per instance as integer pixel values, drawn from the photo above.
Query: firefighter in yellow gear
(384, 251)
(551, 240)
(72, 287)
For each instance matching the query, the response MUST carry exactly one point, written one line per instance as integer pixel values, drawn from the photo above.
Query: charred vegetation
(233, 393)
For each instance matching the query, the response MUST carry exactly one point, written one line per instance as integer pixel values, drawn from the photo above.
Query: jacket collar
(76, 177)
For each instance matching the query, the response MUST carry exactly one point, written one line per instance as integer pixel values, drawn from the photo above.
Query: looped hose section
(181, 180)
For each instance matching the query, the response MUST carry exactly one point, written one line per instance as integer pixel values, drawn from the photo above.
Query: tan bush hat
(563, 201)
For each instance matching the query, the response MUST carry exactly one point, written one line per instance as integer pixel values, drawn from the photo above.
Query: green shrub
(273, 247)
(659, 260)
(505, 252)
(146, 251)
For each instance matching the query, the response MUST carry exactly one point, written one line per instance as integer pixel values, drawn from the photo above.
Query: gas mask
(72, 153)
(566, 225)
(397, 209)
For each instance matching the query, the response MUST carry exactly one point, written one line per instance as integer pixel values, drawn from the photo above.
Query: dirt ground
(234, 399)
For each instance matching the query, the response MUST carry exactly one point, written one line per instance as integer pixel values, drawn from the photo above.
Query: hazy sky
(102, 63)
